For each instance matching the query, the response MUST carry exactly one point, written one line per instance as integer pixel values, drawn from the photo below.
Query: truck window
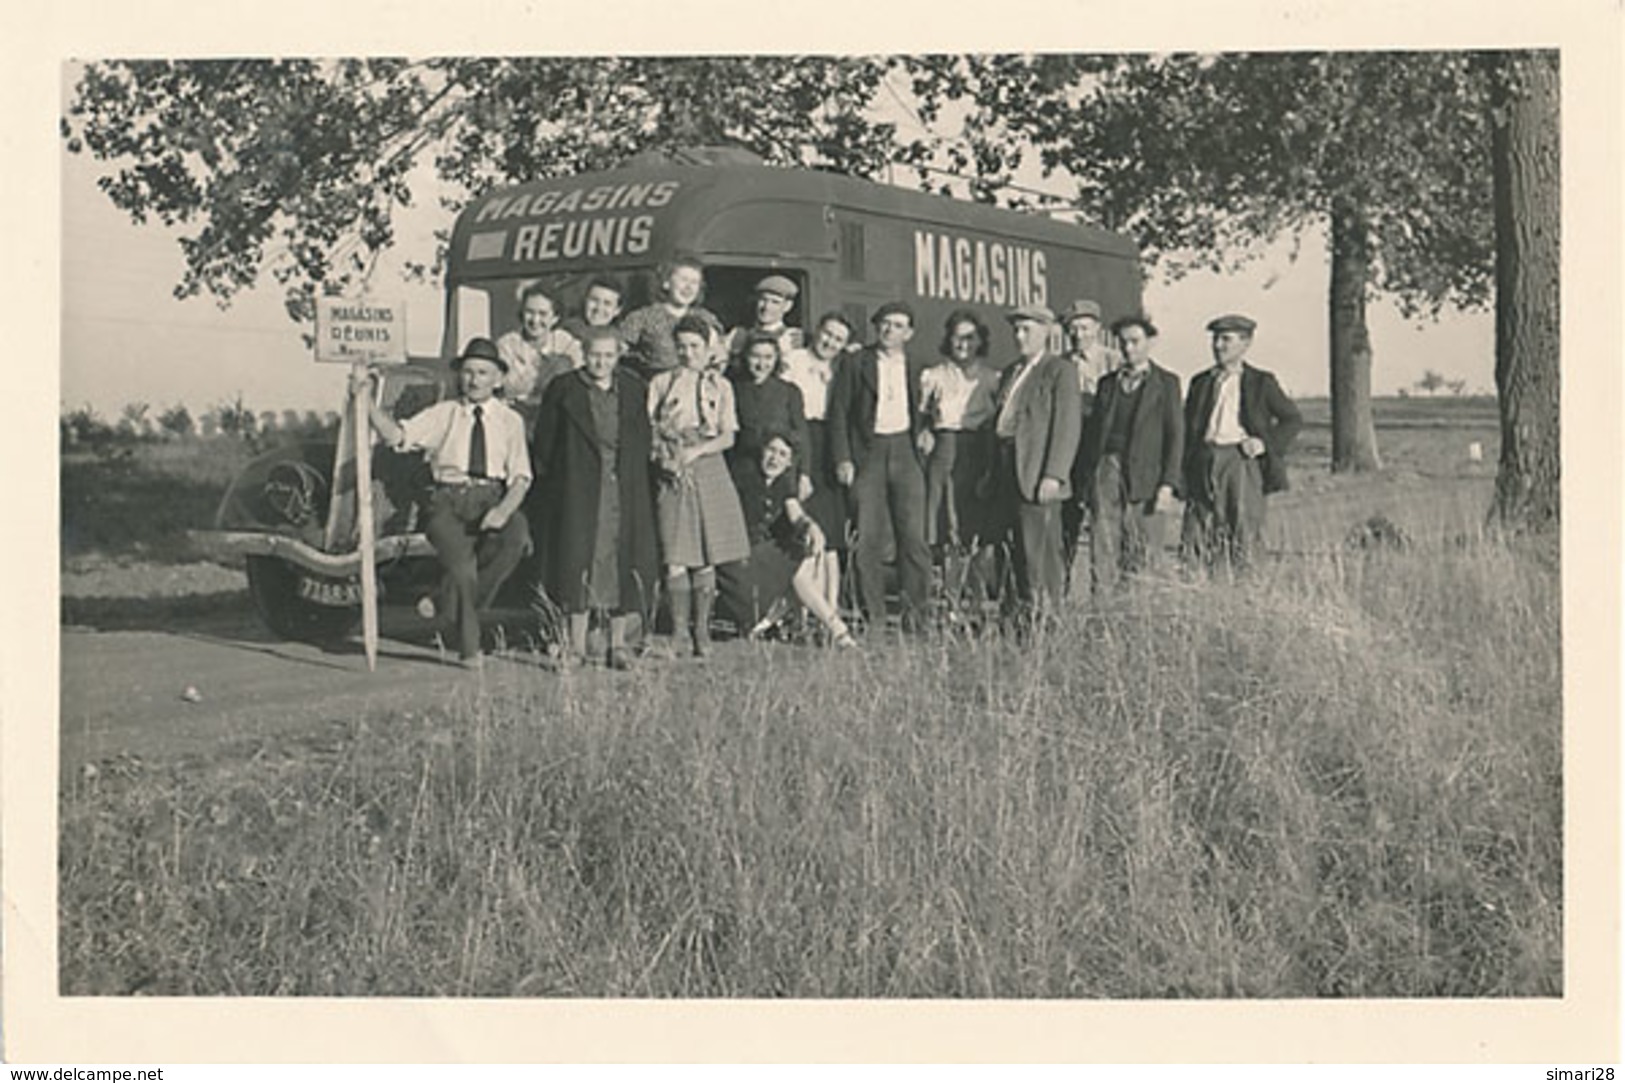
(730, 293)
(500, 298)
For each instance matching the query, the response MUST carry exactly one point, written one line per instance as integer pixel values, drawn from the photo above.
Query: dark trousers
(890, 485)
(1033, 540)
(476, 562)
(1075, 519)
(1127, 534)
(1224, 519)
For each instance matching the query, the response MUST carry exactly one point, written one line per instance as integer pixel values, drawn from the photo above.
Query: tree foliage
(1207, 160)
(297, 168)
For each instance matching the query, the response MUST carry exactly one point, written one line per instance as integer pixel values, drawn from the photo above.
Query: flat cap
(1081, 307)
(1232, 322)
(1036, 313)
(778, 284)
(893, 308)
(483, 349)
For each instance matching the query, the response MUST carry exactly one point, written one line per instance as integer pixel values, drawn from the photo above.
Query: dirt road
(126, 691)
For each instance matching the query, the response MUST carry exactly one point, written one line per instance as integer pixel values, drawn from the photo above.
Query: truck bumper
(238, 543)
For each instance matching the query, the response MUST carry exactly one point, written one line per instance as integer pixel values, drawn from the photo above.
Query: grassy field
(1341, 776)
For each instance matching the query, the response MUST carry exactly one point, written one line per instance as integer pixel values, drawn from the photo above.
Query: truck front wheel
(274, 585)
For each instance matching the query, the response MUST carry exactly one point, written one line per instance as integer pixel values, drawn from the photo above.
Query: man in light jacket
(1038, 427)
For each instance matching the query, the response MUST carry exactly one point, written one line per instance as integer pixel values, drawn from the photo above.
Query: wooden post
(367, 538)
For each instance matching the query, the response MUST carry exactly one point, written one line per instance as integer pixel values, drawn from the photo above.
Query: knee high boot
(678, 597)
(619, 656)
(705, 596)
(576, 649)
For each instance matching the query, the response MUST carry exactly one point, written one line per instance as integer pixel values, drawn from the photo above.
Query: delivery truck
(850, 245)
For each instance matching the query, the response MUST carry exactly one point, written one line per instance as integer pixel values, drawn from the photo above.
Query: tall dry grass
(1340, 776)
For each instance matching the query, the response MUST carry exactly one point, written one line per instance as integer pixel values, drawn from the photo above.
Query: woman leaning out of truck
(692, 412)
(537, 351)
(649, 331)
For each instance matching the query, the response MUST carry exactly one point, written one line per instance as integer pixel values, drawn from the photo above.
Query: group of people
(658, 456)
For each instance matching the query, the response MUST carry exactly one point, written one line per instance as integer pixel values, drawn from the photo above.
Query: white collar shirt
(891, 405)
(443, 431)
(959, 399)
(812, 375)
(1006, 425)
(1130, 378)
(1095, 361)
(1224, 424)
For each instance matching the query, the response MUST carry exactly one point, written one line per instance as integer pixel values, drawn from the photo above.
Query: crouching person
(476, 449)
(786, 547)
(593, 510)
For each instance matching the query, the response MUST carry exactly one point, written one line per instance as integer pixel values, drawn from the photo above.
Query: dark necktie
(476, 445)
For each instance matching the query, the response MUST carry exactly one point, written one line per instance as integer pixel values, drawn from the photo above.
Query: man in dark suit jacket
(1238, 427)
(1132, 457)
(1039, 424)
(875, 433)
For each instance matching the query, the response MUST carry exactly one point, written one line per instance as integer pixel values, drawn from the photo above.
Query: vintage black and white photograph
(975, 526)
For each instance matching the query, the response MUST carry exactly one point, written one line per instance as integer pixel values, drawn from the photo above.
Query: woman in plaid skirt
(692, 412)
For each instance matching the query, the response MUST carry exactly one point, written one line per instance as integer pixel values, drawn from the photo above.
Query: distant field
(1395, 411)
(134, 501)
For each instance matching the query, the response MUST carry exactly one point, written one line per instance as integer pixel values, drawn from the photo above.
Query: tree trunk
(1354, 436)
(1526, 169)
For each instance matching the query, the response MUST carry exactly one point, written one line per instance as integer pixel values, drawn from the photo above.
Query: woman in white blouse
(694, 421)
(959, 397)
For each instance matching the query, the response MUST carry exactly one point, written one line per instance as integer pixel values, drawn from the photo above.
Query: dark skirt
(955, 517)
(827, 506)
(747, 589)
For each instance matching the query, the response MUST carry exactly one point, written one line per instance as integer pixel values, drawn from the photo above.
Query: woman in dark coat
(591, 458)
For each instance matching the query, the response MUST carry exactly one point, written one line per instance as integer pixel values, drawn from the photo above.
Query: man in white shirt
(481, 465)
(1239, 425)
(874, 424)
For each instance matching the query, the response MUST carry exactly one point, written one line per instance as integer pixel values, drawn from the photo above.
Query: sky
(126, 339)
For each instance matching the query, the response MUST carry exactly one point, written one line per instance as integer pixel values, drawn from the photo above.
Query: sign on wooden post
(361, 331)
(367, 329)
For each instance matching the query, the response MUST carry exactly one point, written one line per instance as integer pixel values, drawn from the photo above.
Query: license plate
(340, 593)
